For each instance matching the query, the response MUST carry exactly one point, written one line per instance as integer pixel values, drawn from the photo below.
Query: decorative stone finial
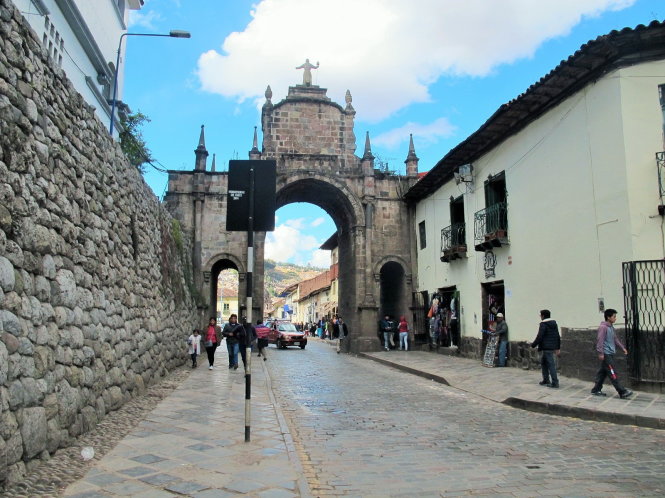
(212, 167)
(367, 156)
(201, 152)
(255, 146)
(268, 93)
(411, 159)
(348, 99)
(202, 139)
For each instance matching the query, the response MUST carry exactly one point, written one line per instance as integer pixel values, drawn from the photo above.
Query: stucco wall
(582, 198)
(94, 279)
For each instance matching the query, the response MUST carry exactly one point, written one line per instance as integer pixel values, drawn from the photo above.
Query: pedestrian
(386, 327)
(502, 332)
(194, 342)
(246, 339)
(232, 331)
(262, 344)
(343, 332)
(548, 342)
(213, 338)
(606, 342)
(403, 329)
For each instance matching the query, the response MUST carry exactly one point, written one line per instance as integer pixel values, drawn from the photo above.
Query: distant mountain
(278, 276)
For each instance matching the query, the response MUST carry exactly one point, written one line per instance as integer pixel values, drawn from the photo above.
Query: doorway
(493, 302)
(449, 327)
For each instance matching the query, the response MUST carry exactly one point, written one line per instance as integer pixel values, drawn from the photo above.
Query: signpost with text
(250, 207)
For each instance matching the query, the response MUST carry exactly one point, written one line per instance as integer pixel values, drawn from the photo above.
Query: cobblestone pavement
(67, 465)
(362, 429)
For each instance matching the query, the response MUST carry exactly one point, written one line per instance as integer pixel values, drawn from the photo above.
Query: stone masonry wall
(95, 276)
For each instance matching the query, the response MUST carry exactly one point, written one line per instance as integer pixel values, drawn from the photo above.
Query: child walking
(194, 342)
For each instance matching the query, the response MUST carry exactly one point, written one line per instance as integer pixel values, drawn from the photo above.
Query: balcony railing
(491, 227)
(453, 242)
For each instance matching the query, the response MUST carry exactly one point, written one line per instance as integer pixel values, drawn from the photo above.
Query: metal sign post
(243, 212)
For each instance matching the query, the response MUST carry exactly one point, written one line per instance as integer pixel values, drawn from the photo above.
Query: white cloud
(320, 259)
(287, 243)
(145, 20)
(387, 52)
(423, 134)
(318, 221)
(297, 223)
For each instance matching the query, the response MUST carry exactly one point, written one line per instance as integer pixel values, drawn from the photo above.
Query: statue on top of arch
(307, 73)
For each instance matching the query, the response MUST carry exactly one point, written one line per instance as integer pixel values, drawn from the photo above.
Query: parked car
(284, 333)
(262, 330)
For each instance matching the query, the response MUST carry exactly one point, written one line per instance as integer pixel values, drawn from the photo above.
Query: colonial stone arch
(313, 142)
(217, 264)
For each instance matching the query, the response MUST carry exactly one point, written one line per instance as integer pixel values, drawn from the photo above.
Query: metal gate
(644, 303)
(420, 306)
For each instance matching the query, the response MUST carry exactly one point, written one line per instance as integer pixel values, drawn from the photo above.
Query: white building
(82, 37)
(539, 208)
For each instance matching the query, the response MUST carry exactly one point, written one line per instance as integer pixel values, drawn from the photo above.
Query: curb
(585, 413)
(404, 368)
(540, 407)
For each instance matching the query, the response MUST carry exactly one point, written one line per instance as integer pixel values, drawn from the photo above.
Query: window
(226, 307)
(457, 221)
(495, 202)
(423, 234)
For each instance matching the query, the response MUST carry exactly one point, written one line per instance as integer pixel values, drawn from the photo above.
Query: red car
(282, 334)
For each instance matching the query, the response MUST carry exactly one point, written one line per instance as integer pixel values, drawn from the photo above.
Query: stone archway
(313, 142)
(215, 266)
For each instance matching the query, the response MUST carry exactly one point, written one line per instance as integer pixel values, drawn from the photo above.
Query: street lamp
(174, 33)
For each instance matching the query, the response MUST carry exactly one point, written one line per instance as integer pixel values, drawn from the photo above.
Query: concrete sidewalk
(519, 388)
(193, 444)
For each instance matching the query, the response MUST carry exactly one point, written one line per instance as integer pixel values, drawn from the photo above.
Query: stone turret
(255, 153)
(411, 160)
(201, 153)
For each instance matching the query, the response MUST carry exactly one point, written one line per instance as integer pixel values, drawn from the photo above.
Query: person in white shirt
(194, 342)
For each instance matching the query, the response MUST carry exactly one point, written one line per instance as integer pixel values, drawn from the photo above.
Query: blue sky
(434, 68)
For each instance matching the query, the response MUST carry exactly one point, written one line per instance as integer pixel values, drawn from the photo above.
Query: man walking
(548, 342)
(502, 334)
(606, 342)
(386, 326)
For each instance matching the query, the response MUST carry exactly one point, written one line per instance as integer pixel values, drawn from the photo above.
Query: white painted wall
(582, 198)
(106, 26)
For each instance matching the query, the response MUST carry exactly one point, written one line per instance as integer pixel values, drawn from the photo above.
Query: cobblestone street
(363, 429)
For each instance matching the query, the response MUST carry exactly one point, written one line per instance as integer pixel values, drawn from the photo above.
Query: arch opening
(224, 282)
(341, 206)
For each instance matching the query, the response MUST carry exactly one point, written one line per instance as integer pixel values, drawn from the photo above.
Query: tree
(131, 140)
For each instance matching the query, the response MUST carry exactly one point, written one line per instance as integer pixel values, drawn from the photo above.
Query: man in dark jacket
(548, 342)
(246, 340)
(233, 332)
(386, 328)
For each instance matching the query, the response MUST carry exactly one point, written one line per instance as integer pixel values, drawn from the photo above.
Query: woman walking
(213, 338)
(403, 328)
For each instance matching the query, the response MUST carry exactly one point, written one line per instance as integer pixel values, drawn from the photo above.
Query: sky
(437, 69)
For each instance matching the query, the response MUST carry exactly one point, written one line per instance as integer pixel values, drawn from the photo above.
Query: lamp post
(174, 33)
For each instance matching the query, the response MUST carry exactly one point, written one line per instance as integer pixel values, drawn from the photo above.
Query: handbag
(208, 344)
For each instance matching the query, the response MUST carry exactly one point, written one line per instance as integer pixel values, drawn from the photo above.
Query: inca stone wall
(95, 297)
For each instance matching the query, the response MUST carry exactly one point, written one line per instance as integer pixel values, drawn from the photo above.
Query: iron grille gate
(420, 306)
(644, 304)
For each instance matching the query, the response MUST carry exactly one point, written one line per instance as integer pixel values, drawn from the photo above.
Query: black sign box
(237, 201)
